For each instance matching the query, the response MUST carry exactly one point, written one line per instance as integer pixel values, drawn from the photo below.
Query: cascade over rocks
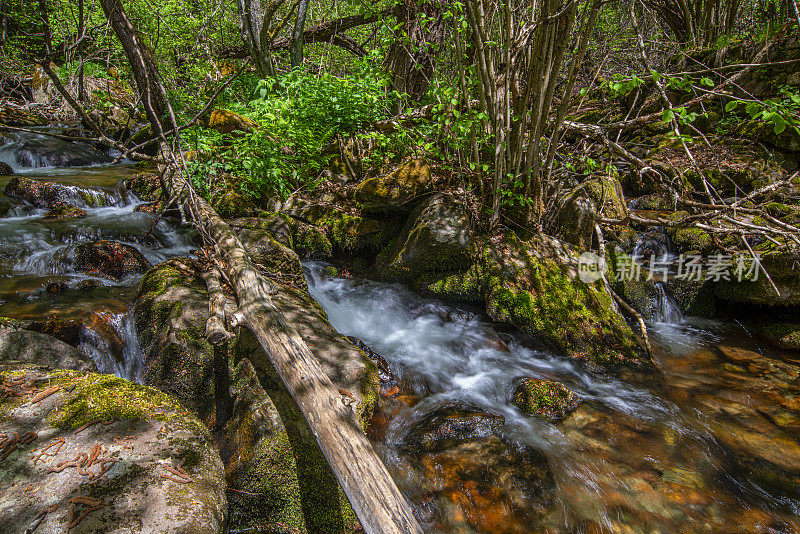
(86, 452)
(51, 195)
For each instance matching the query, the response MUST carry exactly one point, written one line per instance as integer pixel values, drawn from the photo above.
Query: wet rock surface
(109, 259)
(65, 212)
(84, 452)
(552, 400)
(52, 195)
(28, 347)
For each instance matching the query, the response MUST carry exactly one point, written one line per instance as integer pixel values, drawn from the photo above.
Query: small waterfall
(657, 306)
(114, 347)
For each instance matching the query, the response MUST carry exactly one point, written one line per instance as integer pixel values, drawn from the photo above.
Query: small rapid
(41, 278)
(631, 445)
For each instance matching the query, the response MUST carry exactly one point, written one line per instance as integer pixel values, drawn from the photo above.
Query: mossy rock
(50, 195)
(348, 233)
(22, 346)
(788, 140)
(436, 238)
(232, 205)
(783, 335)
(225, 122)
(281, 478)
(170, 313)
(398, 192)
(548, 399)
(145, 185)
(5, 169)
(461, 286)
(152, 466)
(64, 213)
(306, 240)
(534, 285)
(783, 270)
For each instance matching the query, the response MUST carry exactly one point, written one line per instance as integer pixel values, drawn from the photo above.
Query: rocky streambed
(503, 394)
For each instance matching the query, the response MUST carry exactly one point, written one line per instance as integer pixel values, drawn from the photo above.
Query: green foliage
(298, 115)
(781, 112)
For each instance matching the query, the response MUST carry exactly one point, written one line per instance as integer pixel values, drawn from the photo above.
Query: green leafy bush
(298, 115)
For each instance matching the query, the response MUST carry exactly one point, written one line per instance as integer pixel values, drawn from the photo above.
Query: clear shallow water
(711, 445)
(34, 255)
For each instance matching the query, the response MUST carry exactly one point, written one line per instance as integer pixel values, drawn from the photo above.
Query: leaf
(708, 82)
(667, 116)
(778, 124)
(732, 105)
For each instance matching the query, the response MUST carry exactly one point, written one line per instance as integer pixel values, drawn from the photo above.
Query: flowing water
(711, 445)
(38, 280)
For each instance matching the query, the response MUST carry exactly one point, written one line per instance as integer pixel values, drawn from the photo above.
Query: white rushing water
(449, 353)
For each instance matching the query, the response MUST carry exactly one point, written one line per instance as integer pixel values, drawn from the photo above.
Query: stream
(38, 281)
(710, 445)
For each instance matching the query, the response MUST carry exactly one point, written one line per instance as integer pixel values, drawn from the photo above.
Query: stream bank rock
(436, 238)
(83, 452)
(27, 347)
(396, 193)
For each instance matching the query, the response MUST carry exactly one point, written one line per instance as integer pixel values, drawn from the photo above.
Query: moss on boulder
(534, 285)
(225, 121)
(552, 400)
(577, 210)
(170, 313)
(231, 204)
(284, 483)
(145, 185)
(152, 466)
(461, 286)
(397, 192)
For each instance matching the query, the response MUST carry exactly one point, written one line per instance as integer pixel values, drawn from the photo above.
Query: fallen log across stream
(376, 500)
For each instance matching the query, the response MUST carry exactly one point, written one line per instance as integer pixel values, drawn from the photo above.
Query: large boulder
(306, 240)
(145, 185)
(436, 238)
(22, 346)
(50, 195)
(397, 192)
(534, 285)
(280, 478)
(170, 313)
(784, 272)
(109, 259)
(85, 452)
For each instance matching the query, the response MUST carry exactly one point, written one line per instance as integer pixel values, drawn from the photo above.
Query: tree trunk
(378, 504)
(255, 19)
(296, 48)
(410, 58)
(148, 82)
